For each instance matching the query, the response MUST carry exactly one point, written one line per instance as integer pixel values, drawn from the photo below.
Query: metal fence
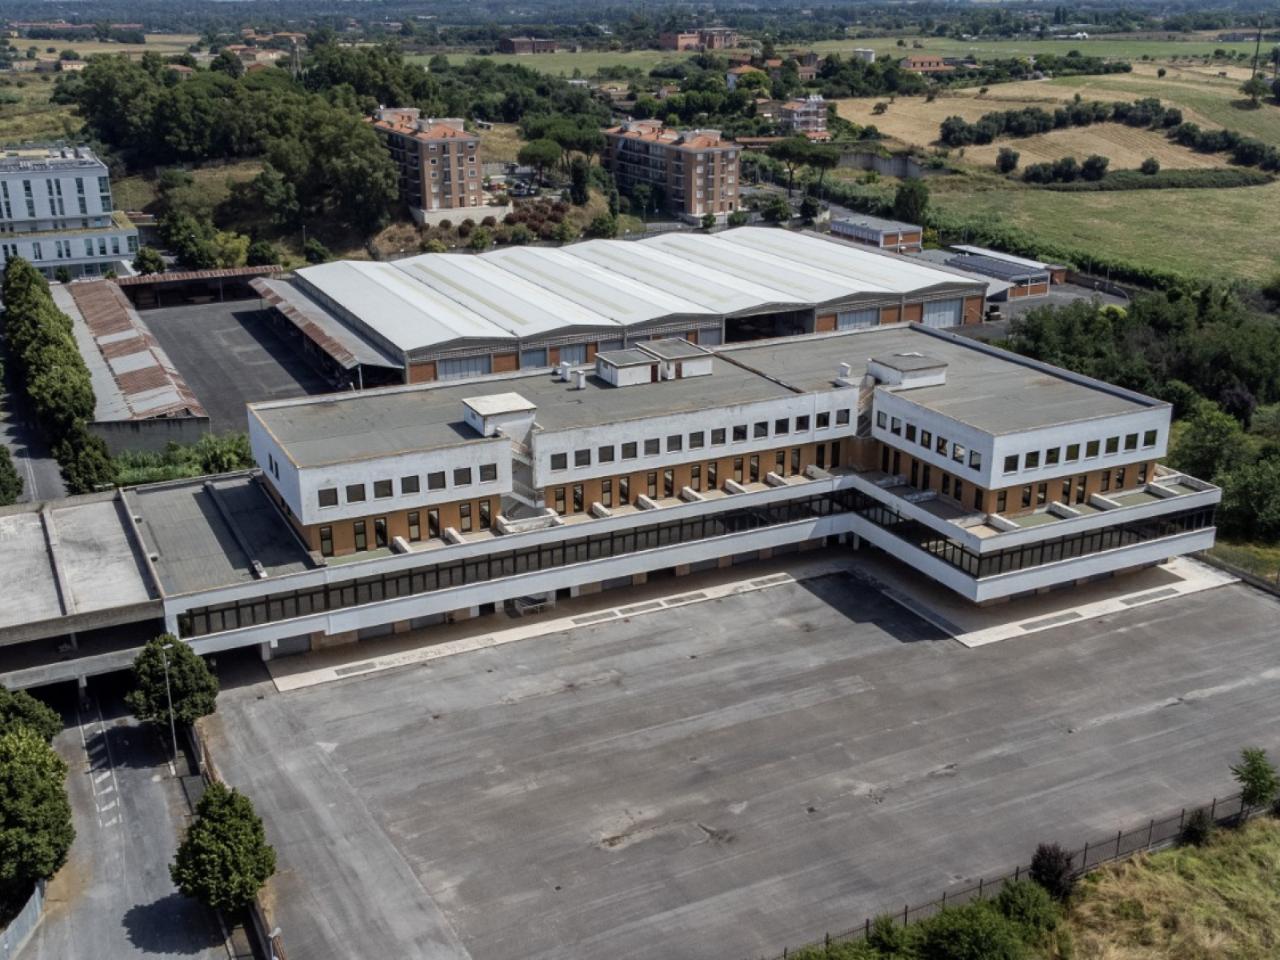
(15, 935)
(1153, 835)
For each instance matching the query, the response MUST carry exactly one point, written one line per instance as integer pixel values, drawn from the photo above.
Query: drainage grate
(770, 581)
(1050, 621)
(684, 598)
(1153, 595)
(642, 607)
(354, 668)
(594, 617)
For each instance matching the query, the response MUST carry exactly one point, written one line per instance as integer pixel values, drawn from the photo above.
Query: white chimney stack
(844, 370)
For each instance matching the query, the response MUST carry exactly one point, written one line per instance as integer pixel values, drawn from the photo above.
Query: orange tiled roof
(407, 126)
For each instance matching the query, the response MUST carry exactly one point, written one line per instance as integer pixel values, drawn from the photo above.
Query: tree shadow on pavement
(171, 926)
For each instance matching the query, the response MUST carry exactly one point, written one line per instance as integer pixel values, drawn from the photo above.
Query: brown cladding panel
(505, 362)
(973, 309)
(825, 323)
(422, 372)
(913, 312)
(889, 314)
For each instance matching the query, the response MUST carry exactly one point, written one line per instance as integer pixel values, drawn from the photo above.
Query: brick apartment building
(696, 170)
(439, 171)
(523, 45)
(806, 116)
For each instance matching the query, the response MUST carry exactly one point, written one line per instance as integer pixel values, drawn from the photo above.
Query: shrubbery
(1158, 179)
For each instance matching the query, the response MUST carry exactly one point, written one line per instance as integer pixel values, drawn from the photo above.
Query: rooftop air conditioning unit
(580, 380)
(564, 371)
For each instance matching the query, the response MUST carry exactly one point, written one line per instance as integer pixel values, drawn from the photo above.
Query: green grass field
(165, 44)
(1123, 48)
(1223, 233)
(32, 117)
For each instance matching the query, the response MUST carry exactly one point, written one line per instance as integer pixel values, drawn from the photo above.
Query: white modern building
(395, 509)
(56, 212)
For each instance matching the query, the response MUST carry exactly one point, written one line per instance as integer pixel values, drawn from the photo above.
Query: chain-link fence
(20, 928)
(1152, 835)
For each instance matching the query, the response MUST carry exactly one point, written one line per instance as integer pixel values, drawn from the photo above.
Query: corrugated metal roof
(132, 376)
(409, 314)
(346, 347)
(184, 276)
(1009, 257)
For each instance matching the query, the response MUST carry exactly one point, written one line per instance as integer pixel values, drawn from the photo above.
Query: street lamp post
(173, 730)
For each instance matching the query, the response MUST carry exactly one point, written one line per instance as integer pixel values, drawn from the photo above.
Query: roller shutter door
(533, 358)
(573, 353)
(858, 319)
(461, 367)
(943, 313)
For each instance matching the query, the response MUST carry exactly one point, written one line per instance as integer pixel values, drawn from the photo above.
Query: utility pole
(1257, 49)
(173, 730)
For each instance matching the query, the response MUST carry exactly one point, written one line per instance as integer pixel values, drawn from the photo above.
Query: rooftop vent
(652, 361)
(498, 411)
(905, 371)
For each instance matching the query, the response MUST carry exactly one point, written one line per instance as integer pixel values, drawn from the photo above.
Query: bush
(888, 936)
(262, 253)
(489, 222)
(739, 218)
(224, 859)
(315, 251)
(148, 261)
(1214, 178)
(1029, 906)
(603, 225)
(1198, 830)
(1007, 160)
(19, 709)
(35, 815)
(972, 932)
(1051, 867)
(1257, 777)
(1094, 167)
(10, 480)
(446, 224)
(481, 239)
(1150, 166)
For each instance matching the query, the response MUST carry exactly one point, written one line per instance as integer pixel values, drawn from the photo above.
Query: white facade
(56, 212)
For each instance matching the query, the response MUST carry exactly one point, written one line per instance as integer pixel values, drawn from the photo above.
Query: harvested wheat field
(1126, 147)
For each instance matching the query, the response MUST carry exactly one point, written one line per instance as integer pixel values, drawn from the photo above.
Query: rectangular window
(559, 501)
(559, 461)
(958, 492)
(842, 420)
(895, 426)
(1131, 441)
(435, 481)
(629, 451)
(464, 518)
(488, 472)
(486, 516)
(975, 460)
(328, 496)
(1120, 478)
(926, 439)
(910, 433)
(717, 437)
(1033, 460)
(1042, 493)
(760, 429)
(755, 469)
(1091, 449)
(675, 443)
(624, 490)
(1149, 438)
(697, 440)
(1066, 490)
(381, 489)
(433, 523)
(1142, 474)
(380, 532)
(957, 452)
(1106, 481)
(737, 469)
(882, 419)
(713, 476)
(1113, 444)
(668, 483)
(941, 446)
(1002, 501)
(1052, 456)
(361, 538)
(1073, 452)
(415, 526)
(606, 493)
(355, 493)
(326, 541)
(823, 421)
(651, 447)
(802, 424)
(582, 458)
(780, 463)
(579, 501)
(1026, 495)
(740, 433)
(462, 477)
(651, 484)
(605, 454)
(946, 484)
(695, 477)
(795, 460)
(783, 427)
(409, 484)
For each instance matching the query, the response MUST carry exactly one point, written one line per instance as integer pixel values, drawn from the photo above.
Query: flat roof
(207, 532)
(877, 223)
(1000, 269)
(1009, 257)
(634, 357)
(674, 348)
(379, 423)
(987, 388)
(908, 361)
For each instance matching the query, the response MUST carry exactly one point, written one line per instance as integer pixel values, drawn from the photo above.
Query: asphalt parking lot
(724, 779)
(230, 356)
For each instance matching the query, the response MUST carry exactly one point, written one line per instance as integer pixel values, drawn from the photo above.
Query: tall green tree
(911, 202)
(35, 815)
(541, 155)
(1211, 442)
(224, 859)
(148, 261)
(792, 153)
(192, 685)
(19, 708)
(10, 479)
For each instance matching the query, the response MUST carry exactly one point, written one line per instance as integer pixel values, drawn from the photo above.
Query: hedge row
(1167, 180)
(1028, 121)
(54, 376)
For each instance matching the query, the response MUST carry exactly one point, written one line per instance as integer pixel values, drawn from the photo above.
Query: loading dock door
(943, 313)
(857, 319)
